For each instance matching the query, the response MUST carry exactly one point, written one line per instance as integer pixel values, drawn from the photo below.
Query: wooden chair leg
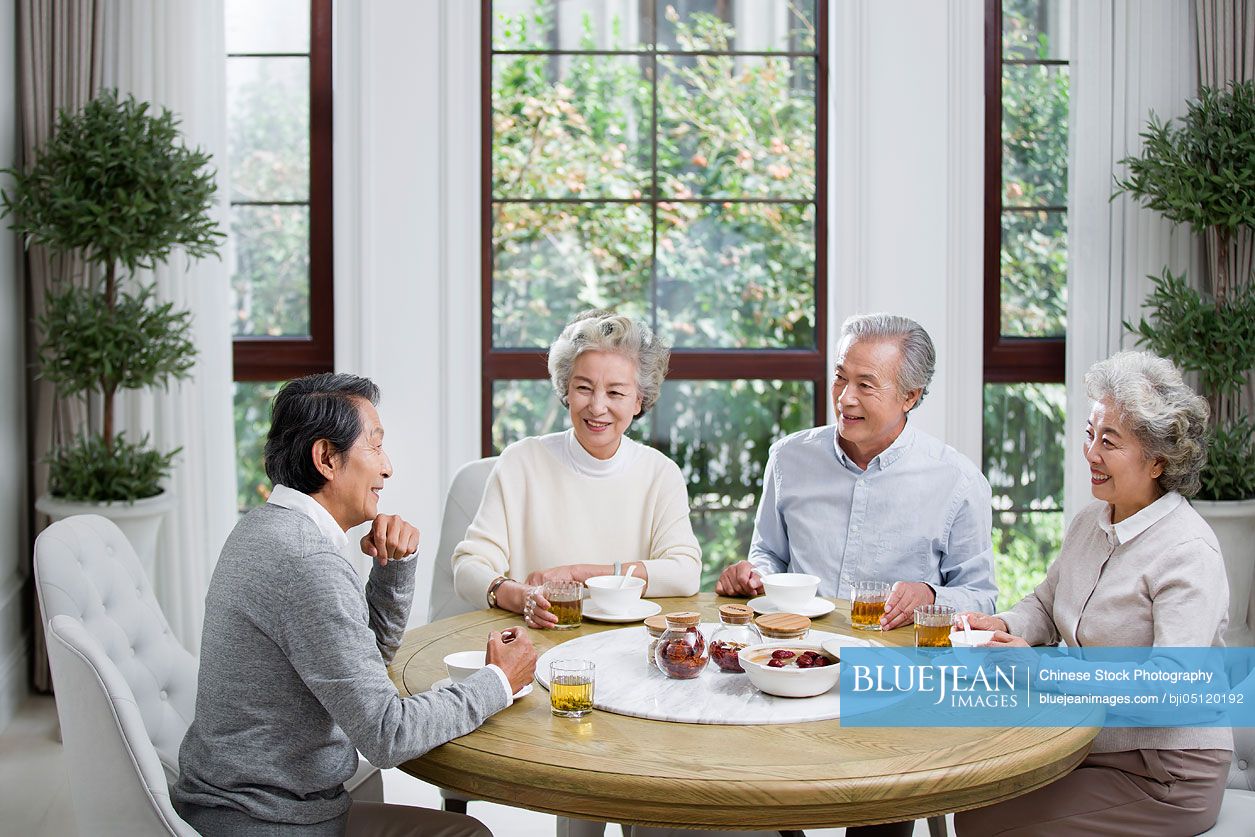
(937, 826)
(456, 806)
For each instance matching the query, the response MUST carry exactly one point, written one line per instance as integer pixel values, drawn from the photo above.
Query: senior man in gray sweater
(293, 678)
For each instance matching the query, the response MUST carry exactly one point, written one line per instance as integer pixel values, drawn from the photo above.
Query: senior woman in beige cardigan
(1137, 568)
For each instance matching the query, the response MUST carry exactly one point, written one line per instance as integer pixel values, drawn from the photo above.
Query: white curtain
(173, 55)
(1131, 57)
(59, 44)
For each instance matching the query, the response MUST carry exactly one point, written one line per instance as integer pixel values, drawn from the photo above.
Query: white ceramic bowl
(462, 664)
(605, 593)
(790, 590)
(958, 640)
(791, 681)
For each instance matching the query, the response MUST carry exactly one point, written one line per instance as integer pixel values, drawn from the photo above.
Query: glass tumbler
(868, 605)
(932, 625)
(565, 602)
(571, 687)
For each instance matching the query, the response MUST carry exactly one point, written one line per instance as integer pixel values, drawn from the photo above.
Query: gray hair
(600, 330)
(919, 357)
(323, 406)
(1168, 418)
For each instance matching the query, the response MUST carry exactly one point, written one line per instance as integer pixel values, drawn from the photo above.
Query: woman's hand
(536, 613)
(567, 572)
(981, 622)
(1002, 639)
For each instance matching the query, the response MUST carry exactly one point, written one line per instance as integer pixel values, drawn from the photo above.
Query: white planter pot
(1233, 521)
(139, 521)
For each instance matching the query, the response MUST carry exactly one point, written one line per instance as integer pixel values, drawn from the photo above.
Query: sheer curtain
(1132, 57)
(59, 47)
(173, 55)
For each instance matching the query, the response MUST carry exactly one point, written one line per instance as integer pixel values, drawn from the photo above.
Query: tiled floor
(35, 793)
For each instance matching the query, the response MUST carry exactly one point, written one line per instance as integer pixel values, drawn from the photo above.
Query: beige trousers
(1134, 792)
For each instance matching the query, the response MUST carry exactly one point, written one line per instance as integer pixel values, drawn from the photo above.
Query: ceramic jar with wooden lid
(681, 652)
(657, 626)
(735, 632)
(783, 626)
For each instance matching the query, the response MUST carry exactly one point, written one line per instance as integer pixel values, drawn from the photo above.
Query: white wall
(904, 223)
(905, 187)
(14, 622)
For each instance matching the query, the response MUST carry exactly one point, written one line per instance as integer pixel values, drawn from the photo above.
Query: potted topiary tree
(115, 185)
(1202, 173)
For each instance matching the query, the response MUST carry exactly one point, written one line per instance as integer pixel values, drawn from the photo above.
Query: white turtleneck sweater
(548, 502)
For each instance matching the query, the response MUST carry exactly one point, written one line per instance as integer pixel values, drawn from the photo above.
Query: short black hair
(307, 409)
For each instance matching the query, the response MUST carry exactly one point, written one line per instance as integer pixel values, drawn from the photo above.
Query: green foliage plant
(1202, 173)
(116, 185)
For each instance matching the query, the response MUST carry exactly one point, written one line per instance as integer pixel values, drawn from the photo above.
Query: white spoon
(967, 629)
(626, 576)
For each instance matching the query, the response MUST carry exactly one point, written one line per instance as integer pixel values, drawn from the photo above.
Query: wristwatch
(492, 589)
(618, 568)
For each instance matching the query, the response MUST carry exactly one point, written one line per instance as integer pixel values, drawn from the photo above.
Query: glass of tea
(571, 687)
(933, 624)
(869, 604)
(565, 602)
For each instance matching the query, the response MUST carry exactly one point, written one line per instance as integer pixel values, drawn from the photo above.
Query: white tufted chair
(118, 783)
(85, 568)
(1237, 813)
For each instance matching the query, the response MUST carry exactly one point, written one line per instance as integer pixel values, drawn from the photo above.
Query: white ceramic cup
(959, 640)
(462, 664)
(786, 591)
(608, 597)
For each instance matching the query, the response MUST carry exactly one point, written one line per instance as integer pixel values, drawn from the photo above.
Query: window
(1026, 256)
(279, 147)
(666, 159)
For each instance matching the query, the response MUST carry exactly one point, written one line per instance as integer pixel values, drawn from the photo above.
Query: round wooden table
(632, 770)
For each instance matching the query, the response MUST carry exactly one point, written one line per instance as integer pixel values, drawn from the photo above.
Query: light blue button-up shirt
(919, 512)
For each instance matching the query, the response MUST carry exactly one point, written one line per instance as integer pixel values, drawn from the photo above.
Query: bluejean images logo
(992, 686)
(1052, 687)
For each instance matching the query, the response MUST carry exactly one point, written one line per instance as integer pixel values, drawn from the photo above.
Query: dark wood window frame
(686, 364)
(281, 358)
(1006, 359)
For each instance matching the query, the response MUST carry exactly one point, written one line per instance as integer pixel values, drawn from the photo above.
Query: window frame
(261, 358)
(1006, 359)
(500, 364)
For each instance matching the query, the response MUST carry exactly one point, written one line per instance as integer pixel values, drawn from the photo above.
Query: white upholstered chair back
(85, 568)
(1237, 813)
(460, 506)
(117, 782)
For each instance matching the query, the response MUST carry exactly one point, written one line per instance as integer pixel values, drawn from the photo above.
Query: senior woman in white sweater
(587, 501)
(1139, 567)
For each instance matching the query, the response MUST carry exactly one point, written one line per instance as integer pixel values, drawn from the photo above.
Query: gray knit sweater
(293, 679)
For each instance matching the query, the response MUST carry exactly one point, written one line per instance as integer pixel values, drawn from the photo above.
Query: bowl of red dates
(790, 669)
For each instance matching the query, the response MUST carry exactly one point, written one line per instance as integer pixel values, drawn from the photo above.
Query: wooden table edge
(772, 804)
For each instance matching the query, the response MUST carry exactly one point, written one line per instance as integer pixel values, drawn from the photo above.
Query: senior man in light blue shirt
(874, 498)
